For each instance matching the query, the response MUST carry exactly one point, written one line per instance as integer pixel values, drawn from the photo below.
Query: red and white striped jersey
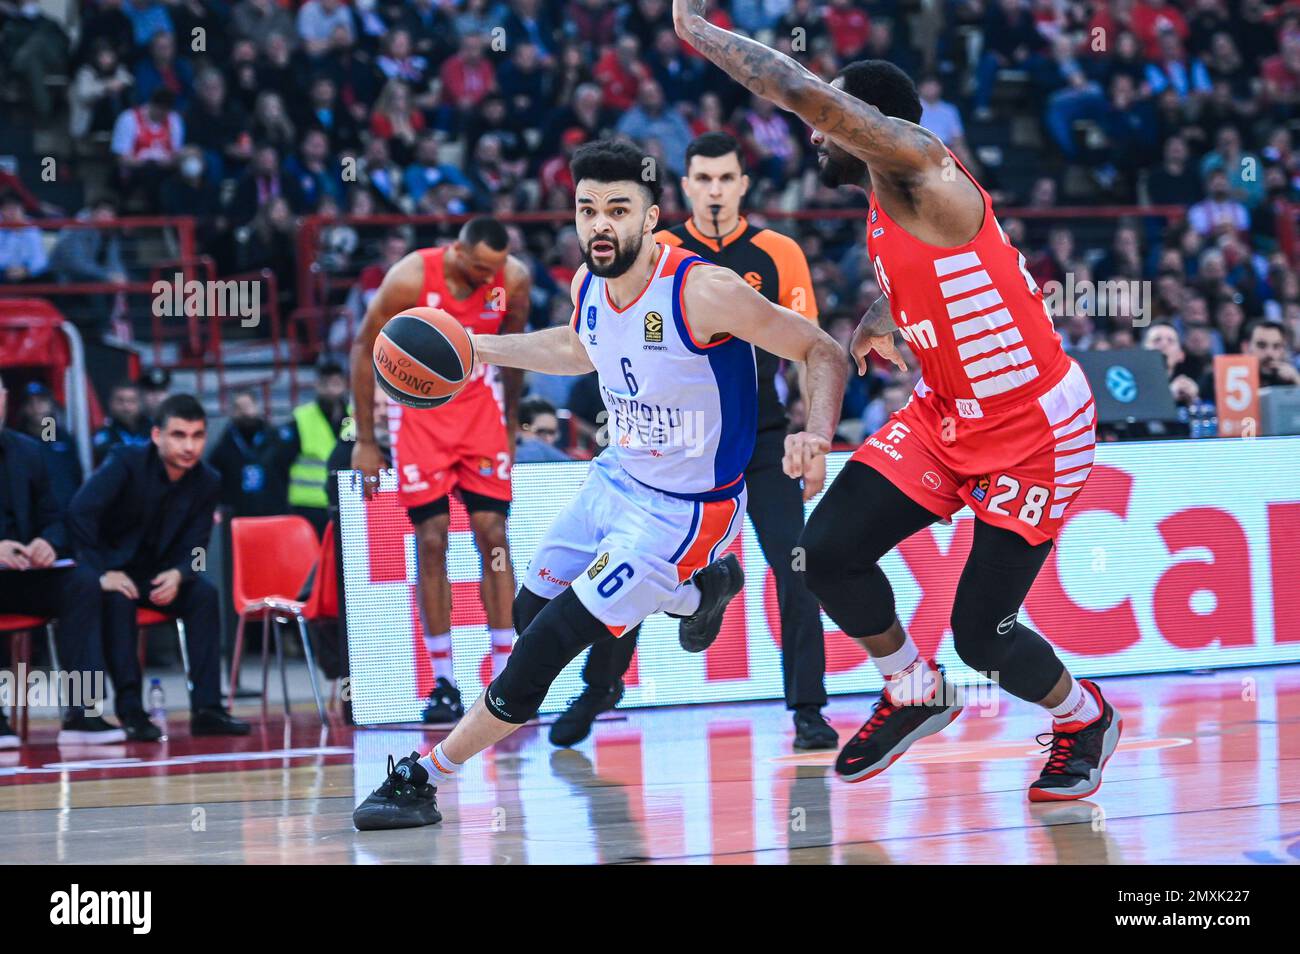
(974, 317)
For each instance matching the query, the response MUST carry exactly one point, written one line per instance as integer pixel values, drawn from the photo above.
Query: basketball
(423, 357)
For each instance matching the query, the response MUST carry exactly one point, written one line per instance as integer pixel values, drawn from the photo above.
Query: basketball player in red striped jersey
(1001, 420)
(466, 445)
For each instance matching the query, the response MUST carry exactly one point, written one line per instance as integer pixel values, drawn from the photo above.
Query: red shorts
(1019, 469)
(442, 448)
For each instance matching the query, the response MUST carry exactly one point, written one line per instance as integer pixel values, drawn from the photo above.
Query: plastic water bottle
(158, 705)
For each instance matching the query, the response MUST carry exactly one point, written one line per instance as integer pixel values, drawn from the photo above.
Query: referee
(715, 183)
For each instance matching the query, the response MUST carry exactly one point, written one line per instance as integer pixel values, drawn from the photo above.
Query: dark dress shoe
(140, 728)
(216, 721)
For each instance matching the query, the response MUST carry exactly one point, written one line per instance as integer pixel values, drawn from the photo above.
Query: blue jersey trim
(690, 534)
(582, 296)
(724, 493)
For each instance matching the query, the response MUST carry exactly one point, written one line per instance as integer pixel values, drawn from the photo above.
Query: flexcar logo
(1121, 384)
(654, 326)
(598, 566)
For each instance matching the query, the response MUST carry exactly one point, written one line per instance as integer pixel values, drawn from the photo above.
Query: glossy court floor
(1208, 771)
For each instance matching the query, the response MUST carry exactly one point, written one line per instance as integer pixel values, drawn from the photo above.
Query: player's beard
(622, 260)
(843, 171)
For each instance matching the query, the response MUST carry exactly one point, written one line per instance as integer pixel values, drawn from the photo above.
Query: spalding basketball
(422, 357)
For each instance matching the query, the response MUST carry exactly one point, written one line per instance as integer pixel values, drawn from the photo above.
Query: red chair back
(148, 616)
(13, 622)
(323, 603)
(271, 556)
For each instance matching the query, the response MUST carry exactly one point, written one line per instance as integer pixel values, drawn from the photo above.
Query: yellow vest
(309, 472)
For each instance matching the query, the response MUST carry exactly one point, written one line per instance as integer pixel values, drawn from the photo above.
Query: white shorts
(627, 550)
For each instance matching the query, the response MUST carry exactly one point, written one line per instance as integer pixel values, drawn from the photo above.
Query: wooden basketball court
(1208, 771)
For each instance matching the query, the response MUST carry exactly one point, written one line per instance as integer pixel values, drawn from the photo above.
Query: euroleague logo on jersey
(654, 326)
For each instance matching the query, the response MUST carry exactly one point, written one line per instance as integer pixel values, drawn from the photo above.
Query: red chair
(19, 627)
(146, 616)
(271, 557)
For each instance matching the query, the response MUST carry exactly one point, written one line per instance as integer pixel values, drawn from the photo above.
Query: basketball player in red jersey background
(1002, 419)
(466, 445)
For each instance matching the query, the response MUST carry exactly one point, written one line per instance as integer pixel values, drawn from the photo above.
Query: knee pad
(554, 638)
(525, 608)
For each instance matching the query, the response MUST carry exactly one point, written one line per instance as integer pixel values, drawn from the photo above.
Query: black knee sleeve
(525, 608)
(561, 630)
(862, 517)
(985, 631)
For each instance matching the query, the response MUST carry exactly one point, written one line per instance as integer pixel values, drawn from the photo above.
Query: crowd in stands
(253, 114)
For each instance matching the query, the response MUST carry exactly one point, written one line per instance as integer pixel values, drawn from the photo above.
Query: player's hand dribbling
(875, 332)
(369, 460)
(805, 456)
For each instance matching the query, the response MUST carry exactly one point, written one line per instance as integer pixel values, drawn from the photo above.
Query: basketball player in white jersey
(672, 339)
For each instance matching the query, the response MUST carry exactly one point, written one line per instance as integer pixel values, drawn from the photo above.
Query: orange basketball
(423, 357)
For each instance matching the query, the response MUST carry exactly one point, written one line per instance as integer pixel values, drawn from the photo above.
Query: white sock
(440, 655)
(440, 768)
(684, 601)
(1080, 705)
(503, 640)
(909, 679)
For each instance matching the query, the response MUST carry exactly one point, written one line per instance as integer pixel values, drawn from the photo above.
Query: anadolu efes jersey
(682, 413)
(974, 317)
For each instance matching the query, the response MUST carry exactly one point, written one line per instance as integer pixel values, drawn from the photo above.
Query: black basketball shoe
(443, 706)
(893, 728)
(718, 583)
(405, 800)
(575, 724)
(812, 731)
(1077, 753)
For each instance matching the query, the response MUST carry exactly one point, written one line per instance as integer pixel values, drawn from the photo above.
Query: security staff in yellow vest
(309, 440)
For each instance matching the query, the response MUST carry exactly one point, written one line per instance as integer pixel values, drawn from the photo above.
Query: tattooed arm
(875, 332)
(888, 145)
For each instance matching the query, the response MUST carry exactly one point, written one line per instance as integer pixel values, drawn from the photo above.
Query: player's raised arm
(399, 290)
(549, 351)
(719, 301)
(887, 143)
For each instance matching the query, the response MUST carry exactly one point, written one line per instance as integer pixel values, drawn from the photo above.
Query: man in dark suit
(32, 537)
(142, 522)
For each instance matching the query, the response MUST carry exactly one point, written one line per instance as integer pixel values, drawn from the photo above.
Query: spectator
(32, 47)
(1218, 214)
(850, 28)
(680, 76)
(770, 145)
(1268, 342)
(257, 20)
(539, 429)
(147, 142)
(943, 119)
(652, 118)
(33, 536)
(219, 126)
(1175, 182)
(317, 21)
(324, 112)
(1183, 373)
(466, 78)
(309, 175)
(90, 255)
(155, 388)
(101, 89)
(526, 85)
(261, 183)
(251, 461)
(148, 19)
(1174, 69)
(126, 424)
(396, 121)
(138, 523)
(528, 23)
(22, 251)
(1010, 40)
(162, 70)
(621, 73)
(309, 440)
(43, 421)
(271, 124)
(105, 21)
